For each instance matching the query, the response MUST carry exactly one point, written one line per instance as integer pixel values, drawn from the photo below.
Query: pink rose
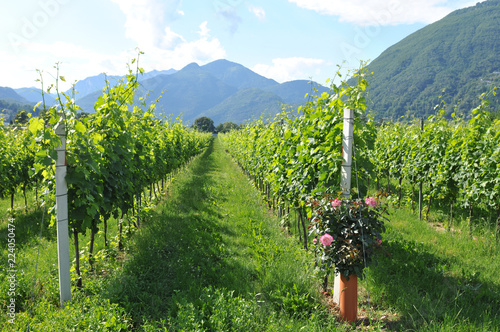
(326, 239)
(336, 202)
(315, 240)
(370, 201)
(379, 241)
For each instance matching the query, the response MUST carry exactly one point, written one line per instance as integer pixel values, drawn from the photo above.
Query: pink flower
(370, 201)
(379, 241)
(315, 240)
(336, 202)
(326, 239)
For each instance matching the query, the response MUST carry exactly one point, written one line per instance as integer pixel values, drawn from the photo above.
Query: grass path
(213, 258)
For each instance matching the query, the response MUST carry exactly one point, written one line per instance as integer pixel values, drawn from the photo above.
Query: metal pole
(345, 176)
(62, 217)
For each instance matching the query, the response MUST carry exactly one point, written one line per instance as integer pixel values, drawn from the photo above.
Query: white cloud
(171, 39)
(148, 24)
(383, 12)
(288, 69)
(75, 63)
(202, 50)
(259, 12)
(230, 14)
(204, 30)
(146, 19)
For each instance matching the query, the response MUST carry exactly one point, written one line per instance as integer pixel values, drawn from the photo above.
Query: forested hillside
(458, 54)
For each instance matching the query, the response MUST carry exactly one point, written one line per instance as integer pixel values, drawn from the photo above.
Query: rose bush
(345, 228)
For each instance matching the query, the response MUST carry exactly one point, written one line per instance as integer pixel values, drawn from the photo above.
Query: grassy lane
(213, 259)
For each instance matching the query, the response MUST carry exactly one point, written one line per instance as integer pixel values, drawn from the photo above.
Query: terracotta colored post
(349, 298)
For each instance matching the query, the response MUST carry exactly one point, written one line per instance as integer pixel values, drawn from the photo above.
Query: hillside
(244, 105)
(457, 54)
(188, 92)
(11, 103)
(34, 95)
(10, 95)
(92, 84)
(293, 92)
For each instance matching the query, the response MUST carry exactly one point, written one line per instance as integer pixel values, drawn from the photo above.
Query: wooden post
(62, 217)
(346, 300)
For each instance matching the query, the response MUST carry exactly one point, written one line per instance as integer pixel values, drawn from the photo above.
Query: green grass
(437, 280)
(220, 262)
(212, 257)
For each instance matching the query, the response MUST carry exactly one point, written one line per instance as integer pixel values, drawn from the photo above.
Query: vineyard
(454, 162)
(100, 183)
(168, 233)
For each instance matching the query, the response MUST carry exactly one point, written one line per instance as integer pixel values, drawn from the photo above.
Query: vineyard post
(345, 182)
(420, 193)
(62, 217)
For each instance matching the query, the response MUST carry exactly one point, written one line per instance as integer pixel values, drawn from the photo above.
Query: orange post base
(349, 298)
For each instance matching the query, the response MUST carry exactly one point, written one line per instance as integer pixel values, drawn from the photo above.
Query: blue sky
(280, 39)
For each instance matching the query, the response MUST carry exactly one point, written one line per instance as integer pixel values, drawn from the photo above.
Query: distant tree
(220, 128)
(82, 115)
(226, 127)
(204, 124)
(21, 118)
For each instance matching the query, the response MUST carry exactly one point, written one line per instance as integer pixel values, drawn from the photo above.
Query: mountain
(237, 75)
(224, 91)
(153, 73)
(293, 92)
(34, 95)
(458, 54)
(11, 103)
(221, 90)
(188, 92)
(10, 95)
(244, 105)
(86, 103)
(93, 84)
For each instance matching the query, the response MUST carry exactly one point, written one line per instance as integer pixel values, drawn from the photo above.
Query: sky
(279, 39)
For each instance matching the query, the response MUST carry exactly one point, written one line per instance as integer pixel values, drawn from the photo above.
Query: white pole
(62, 217)
(345, 176)
(347, 138)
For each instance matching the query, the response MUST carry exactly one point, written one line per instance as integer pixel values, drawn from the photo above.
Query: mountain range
(451, 61)
(222, 90)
